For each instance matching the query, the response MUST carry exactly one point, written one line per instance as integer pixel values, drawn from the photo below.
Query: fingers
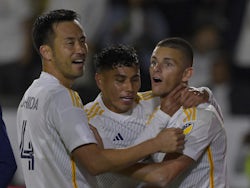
(172, 140)
(171, 103)
(177, 130)
(192, 97)
(176, 93)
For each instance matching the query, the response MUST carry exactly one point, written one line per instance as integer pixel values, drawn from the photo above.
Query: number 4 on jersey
(26, 149)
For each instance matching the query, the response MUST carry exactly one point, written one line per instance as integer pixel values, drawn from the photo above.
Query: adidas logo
(118, 137)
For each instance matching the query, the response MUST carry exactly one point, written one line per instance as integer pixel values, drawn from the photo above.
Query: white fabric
(205, 142)
(51, 123)
(122, 130)
(119, 130)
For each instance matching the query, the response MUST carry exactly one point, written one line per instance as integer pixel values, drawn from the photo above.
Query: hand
(97, 136)
(172, 102)
(191, 97)
(171, 140)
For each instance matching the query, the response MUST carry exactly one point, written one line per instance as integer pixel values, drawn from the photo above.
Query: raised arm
(187, 97)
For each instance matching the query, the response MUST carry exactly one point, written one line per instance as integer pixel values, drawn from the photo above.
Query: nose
(129, 86)
(156, 67)
(81, 48)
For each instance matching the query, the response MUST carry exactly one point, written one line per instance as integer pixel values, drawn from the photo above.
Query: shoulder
(94, 108)
(48, 87)
(204, 112)
(202, 108)
(56, 96)
(147, 99)
(208, 110)
(144, 96)
(204, 116)
(62, 96)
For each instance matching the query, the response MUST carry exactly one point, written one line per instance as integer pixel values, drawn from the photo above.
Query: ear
(46, 52)
(188, 72)
(98, 80)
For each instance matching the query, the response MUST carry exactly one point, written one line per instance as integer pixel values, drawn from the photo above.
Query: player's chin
(78, 73)
(156, 91)
(125, 107)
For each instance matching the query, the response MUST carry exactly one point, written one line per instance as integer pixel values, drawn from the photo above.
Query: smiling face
(65, 57)
(167, 70)
(119, 87)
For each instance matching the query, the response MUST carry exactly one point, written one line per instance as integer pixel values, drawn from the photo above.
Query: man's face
(69, 50)
(119, 87)
(166, 70)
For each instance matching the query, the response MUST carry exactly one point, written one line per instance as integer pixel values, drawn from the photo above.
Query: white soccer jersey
(205, 142)
(120, 130)
(51, 123)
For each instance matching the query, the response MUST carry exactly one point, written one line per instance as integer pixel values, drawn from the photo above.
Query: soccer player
(203, 160)
(57, 146)
(119, 112)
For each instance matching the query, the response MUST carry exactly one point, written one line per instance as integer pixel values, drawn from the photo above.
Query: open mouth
(79, 61)
(156, 80)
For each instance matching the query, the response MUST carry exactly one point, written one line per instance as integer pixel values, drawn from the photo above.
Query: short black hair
(181, 45)
(115, 56)
(42, 32)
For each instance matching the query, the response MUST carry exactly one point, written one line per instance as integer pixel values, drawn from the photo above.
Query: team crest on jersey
(188, 127)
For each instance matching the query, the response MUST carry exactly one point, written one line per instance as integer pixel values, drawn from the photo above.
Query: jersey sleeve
(199, 125)
(199, 131)
(67, 114)
(212, 100)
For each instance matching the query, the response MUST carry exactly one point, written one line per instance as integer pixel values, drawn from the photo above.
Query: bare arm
(184, 96)
(159, 174)
(97, 160)
(192, 97)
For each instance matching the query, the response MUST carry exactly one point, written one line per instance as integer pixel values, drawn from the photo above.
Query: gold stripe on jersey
(73, 168)
(152, 116)
(76, 100)
(94, 110)
(190, 114)
(144, 96)
(211, 173)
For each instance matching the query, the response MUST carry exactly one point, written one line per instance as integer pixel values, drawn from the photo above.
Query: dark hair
(181, 45)
(115, 56)
(42, 32)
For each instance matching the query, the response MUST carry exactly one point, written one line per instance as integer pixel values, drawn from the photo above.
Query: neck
(64, 81)
(162, 97)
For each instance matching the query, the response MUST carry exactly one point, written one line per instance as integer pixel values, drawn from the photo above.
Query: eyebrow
(124, 76)
(73, 38)
(165, 58)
